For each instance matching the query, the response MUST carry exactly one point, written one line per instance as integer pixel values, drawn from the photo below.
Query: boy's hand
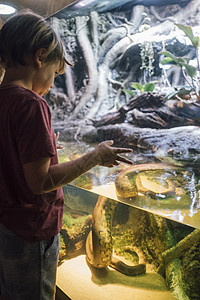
(108, 156)
(43, 178)
(57, 137)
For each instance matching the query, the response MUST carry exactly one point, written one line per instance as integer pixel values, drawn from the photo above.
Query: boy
(31, 199)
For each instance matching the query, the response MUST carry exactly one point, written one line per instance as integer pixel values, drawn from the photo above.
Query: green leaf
(169, 54)
(189, 33)
(185, 90)
(184, 60)
(171, 95)
(190, 70)
(168, 61)
(196, 42)
(131, 93)
(178, 93)
(187, 30)
(149, 87)
(137, 86)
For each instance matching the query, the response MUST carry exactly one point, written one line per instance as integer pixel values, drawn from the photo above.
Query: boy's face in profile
(44, 77)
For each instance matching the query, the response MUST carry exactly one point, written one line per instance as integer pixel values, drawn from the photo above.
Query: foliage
(182, 62)
(189, 72)
(189, 33)
(69, 222)
(138, 88)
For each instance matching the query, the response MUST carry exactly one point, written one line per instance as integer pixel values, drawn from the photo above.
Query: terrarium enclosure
(134, 80)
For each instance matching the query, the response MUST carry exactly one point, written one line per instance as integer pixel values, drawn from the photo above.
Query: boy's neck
(21, 76)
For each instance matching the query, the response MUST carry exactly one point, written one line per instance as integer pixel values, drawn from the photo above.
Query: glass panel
(170, 191)
(134, 80)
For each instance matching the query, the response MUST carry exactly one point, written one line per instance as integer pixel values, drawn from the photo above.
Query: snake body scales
(99, 241)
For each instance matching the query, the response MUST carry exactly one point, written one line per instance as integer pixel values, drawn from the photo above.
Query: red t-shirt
(26, 135)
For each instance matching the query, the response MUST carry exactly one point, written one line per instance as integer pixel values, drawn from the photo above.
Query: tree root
(174, 279)
(176, 251)
(81, 25)
(172, 264)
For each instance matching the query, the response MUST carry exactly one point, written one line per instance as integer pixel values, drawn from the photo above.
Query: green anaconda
(99, 240)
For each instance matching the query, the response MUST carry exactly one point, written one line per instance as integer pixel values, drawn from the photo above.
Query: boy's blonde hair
(25, 33)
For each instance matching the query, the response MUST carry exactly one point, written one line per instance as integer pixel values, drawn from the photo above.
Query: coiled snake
(99, 241)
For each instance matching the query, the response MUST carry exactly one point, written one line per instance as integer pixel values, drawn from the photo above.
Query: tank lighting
(6, 9)
(84, 3)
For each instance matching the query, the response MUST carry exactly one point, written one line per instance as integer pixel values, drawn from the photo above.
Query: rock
(179, 144)
(155, 180)
(191, 271)
(152, 184)
(150, 110)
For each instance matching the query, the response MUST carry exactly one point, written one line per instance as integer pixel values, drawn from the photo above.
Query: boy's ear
(39, 56)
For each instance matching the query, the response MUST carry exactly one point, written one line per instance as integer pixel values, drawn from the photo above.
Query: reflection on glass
(167, 190)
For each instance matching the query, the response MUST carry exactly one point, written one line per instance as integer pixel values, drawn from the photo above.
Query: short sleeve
(34, 132)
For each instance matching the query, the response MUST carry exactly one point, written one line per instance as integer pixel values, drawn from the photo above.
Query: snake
(99, 246)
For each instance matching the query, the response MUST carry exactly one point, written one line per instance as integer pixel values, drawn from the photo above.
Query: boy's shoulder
(21, 93)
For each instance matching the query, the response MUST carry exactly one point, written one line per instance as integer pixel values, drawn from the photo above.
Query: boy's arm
(43, 178)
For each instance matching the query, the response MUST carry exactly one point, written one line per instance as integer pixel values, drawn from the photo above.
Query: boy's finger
(123, 159)
(109, 142)
(123, 150)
